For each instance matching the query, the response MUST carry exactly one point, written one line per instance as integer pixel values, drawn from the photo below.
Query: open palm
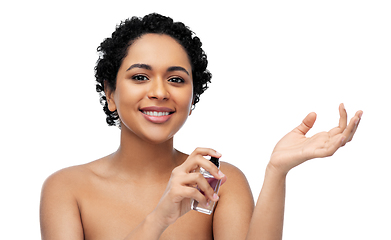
(295, 148)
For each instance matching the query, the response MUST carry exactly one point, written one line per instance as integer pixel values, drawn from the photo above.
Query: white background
(273, 62)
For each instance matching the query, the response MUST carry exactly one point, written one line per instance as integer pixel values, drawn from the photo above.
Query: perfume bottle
(214, 183)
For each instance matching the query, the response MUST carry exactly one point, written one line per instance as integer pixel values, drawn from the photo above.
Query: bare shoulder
(66, 175)
(59, 207)
(71, 178)
(236, 183)
(235, 207)
(67, 178)
(231, 170)
(235, 178)
(62, 187)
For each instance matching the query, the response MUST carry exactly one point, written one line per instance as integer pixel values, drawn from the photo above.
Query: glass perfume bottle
(214, 183)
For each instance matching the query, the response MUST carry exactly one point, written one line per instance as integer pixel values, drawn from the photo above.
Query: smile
(156, 114)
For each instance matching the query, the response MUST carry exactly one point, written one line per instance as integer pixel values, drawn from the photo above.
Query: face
(154, 90)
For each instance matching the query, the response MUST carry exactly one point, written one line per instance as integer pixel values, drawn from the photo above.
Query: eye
(140, 78)
(176, 80)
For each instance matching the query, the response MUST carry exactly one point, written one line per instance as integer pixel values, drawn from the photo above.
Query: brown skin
(292, 150)
(143, 190)
(92, 199)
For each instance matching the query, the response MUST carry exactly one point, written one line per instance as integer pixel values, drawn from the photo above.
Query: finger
(208, 166)
(197, 160)
(193, 193)
(202, 184)
(349, 131)
(224, 179)
(343, 120)
(331, 147)
(350, 138)
(356, 120)
(307, 123)
(206, 152)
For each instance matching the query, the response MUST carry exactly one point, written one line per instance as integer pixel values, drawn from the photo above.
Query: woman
(150, 74)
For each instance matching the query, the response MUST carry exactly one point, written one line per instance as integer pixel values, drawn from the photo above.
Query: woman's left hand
(295, 148)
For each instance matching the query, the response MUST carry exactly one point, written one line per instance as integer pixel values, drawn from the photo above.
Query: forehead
(157, 50)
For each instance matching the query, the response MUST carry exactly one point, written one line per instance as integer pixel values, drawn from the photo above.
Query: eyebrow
(140, 65)
(148, 67)
(177, 68)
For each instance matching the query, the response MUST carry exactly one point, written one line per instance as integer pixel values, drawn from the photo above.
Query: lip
(157, 109)
(157, 119)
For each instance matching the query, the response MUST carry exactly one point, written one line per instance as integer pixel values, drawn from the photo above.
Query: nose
(158, 90)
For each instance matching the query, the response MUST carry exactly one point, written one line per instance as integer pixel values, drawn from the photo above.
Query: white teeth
(156, 114)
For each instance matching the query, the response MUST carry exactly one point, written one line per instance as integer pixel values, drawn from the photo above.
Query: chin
(157, 140)
(154, 136)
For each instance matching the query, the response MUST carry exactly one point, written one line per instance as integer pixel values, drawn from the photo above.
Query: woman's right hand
(175, 201)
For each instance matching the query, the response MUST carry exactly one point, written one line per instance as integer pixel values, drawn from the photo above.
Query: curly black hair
(113, 50)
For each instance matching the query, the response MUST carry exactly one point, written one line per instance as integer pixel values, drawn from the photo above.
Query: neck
(139, 158)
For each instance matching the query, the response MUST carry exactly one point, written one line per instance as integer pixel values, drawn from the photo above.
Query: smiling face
(154, 90)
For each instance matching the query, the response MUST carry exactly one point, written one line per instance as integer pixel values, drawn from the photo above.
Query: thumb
(307, 123)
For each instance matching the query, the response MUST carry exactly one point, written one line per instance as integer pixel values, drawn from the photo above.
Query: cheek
(185, 99)
(127, 97)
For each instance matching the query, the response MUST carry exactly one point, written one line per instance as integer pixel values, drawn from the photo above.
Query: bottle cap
(215, 161)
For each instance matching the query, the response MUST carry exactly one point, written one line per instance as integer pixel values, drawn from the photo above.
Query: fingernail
(218, 153)
(215, 197)
(221, 174)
